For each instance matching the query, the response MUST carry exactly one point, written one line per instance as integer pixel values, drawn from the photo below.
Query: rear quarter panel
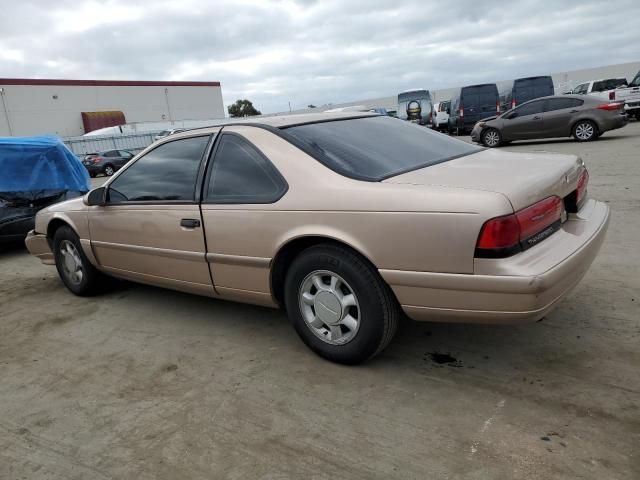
(403, 227)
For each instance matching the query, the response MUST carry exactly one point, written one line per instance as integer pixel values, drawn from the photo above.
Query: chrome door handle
(189, 223)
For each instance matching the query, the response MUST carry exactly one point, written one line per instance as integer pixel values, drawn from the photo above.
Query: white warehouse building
(75, 107)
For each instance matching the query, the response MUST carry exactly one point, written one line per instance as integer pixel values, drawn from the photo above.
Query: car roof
(279, 121)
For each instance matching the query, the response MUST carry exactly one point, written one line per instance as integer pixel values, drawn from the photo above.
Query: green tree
(243, 108)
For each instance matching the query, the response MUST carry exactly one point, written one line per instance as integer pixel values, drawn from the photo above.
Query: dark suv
(107, 162)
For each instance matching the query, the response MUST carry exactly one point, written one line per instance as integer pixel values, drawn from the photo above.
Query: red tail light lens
(513, 103)
(612, 95)
(498, 106)
(539, 216)
(581, 189)
(610, 106)
(504, 236)
(96, 159)
(461, 111)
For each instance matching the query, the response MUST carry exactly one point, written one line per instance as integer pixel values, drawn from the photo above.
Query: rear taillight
(96, 159)
(498, 106)
(513, 103)
(612, 95)
(461, 111)
(504, 236)
(581, 189)
(610, 106)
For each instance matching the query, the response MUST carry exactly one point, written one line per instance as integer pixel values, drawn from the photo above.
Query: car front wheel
(585, 131)
(339, 305)
(74, 268)
(491, 138)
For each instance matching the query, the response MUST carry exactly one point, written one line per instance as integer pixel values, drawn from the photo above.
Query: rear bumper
(614, 123)
(38, 246)
(518, 289)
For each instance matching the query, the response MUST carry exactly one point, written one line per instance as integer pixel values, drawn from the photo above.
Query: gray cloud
(309, 51)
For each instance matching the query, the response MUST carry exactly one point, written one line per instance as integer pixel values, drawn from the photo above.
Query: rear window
(636, 81)
(480, 96)
(609, 84)
(375, 148)
(530, 88)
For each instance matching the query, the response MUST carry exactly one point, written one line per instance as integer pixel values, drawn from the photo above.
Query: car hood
(73, 205)
(524, 178)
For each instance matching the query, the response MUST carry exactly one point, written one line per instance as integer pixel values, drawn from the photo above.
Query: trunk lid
(524, 178)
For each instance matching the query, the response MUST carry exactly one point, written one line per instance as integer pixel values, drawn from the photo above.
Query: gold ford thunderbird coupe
(345, 220)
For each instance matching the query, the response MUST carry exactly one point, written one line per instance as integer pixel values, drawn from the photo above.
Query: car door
(240, 188)
(524, 122)
(123, 157)
(558, 116)
(150, 229)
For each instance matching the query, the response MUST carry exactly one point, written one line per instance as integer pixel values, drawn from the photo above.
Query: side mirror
(96, 197)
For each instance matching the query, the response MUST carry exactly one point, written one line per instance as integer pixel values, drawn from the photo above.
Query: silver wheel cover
(71, 262)
(329, 307)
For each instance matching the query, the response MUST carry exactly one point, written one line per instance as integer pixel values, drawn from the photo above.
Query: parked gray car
(585, 118)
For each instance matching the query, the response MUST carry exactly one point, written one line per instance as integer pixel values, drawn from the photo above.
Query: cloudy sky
(313, 51)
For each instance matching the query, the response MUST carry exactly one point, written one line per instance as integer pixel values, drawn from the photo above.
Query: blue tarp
(40, 166)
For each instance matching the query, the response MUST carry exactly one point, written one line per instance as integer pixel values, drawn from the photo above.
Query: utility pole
(289, 106)
(6, 112)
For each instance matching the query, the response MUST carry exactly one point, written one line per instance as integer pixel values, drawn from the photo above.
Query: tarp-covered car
(35, 172)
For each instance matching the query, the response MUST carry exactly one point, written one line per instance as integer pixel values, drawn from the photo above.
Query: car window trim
(281, 132)
(195, 200)
(209, 171)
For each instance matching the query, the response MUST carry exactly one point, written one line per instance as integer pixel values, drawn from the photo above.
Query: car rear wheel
(74, 268)
(339, 305)
(491, 138)
(109, 170)
(585, 131)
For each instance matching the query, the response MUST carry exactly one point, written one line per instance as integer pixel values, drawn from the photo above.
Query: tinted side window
(111, 153)
(561, 103)
(167, 172)
(125, 154)
(241, 174)
(581, 89)
(530, 108)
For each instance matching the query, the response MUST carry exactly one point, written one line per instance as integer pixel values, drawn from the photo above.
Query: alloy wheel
(491, 138)
(329, 307)
(584, 131)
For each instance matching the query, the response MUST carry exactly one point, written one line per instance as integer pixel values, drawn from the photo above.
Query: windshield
(636, 81)
(375, 148)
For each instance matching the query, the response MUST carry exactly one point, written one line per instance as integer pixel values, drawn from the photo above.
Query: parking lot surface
(147, 383)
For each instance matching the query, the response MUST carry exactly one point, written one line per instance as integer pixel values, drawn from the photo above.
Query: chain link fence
(133, 143)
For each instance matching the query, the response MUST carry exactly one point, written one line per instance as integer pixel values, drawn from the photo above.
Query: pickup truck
(614, 89)
(630, 95)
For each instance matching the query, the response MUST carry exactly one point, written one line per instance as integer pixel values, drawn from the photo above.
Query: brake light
(498, 106)
(510, 234)
(513, 103)
(461, 111)
(610, 106)
(581, 189)
(612, 95)
(96, 159)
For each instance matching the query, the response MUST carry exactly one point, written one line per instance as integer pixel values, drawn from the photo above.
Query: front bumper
(38, 246)
(518, 289)
(475, 134)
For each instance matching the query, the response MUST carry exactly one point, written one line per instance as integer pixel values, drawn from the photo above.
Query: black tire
(586, 126)
(92, 175)
(379, 311)
(92, 280)
(109, 170)
(488, 138)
